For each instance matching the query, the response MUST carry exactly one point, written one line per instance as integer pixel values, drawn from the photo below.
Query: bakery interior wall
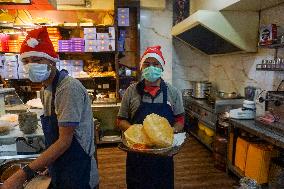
(183, 64)
(234, 72)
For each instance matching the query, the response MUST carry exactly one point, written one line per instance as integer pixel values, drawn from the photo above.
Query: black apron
(145, 171)
(72, 169)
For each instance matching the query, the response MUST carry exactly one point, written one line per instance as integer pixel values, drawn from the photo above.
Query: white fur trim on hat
(32, 42)
(38, 54)
(153, 55)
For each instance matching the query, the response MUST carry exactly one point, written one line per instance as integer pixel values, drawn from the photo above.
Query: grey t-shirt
(131, 101)
(73, 109)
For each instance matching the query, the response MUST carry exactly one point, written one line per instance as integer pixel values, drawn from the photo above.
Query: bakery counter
(259, 130)
(17, 143)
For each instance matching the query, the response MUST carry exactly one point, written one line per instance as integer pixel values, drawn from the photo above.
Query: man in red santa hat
(67, 121)
(151, 95)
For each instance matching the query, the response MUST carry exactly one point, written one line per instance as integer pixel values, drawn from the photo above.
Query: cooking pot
(200, 88)
(226, 95)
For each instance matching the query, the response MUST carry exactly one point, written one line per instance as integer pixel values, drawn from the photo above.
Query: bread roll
(136, 135)
(159, 130)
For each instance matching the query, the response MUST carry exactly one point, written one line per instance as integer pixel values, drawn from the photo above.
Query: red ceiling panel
(36, 5)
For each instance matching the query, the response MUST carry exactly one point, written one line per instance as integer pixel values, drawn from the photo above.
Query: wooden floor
(194, 169)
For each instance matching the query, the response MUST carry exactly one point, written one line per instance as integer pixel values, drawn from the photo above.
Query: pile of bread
(156, 132)
(7, 122)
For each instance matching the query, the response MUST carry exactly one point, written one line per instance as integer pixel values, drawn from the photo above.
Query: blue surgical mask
(152, 73)
(38, 72)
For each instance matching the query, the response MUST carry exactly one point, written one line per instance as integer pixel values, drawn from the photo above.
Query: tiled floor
(194, 169)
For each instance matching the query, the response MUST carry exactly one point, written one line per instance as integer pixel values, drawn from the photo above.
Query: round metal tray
(169, 151)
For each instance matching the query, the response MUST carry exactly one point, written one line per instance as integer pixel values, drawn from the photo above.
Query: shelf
(20, 27)
(101, 52)
(112, 52)
(127, 77)
(91, 78)
(270, 69)
(88, 78)
(273, 46)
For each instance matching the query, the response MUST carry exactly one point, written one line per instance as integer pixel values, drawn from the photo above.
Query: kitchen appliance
(274, 116)
(29, 145)
(275, 105)
(200, 88)
(207, 113)
(260, 104)
(248, 109)
(219, 32)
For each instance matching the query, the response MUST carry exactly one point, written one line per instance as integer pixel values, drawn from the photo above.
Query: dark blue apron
(151, 172)
(72, 169)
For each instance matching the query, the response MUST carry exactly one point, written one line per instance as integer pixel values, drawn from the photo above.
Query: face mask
(37, 72)
(152, 73)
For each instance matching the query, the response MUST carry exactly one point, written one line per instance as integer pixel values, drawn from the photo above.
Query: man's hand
(16, 181)
(178, 127)
(123, 125)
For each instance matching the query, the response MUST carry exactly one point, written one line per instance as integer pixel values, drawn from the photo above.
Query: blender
(248, 109)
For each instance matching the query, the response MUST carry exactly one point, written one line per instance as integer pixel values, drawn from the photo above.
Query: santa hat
(37, 43)
(154, 52)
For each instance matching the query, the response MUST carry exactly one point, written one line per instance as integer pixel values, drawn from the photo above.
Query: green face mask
(152, 73)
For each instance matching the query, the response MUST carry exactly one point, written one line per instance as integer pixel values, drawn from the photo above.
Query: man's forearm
(50, 155)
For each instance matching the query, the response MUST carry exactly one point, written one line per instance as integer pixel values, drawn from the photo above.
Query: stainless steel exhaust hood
(214, 32)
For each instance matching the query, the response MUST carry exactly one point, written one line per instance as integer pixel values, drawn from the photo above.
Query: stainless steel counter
(266, 133)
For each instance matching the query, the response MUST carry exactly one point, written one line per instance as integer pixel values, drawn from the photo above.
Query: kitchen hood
(220, 32)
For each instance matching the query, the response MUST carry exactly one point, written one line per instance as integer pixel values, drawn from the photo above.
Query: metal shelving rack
(271, 67)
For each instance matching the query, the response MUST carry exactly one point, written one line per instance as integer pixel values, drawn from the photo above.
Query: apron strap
(165, 92)
(54, 85)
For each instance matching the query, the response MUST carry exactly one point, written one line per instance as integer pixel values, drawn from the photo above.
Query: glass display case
(20, 129)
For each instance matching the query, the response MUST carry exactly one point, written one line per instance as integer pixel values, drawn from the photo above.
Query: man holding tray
(151, 95)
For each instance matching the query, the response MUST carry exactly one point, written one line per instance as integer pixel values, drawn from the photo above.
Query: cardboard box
(77, 69)
(63, 63)
(11, 63)
(91, 42)
(77, 62)
(90, 48)
(267, 34)
(241, 153)
(10, 74)
(111, 31)
(23, 75)
(123, 11)
(258, 159)
(90, 31)
(90, 36)
(123, 21)
(103, 36)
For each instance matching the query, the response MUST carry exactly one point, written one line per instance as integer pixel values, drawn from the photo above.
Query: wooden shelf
(85, 78)
(21, 27)
(101, 52)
